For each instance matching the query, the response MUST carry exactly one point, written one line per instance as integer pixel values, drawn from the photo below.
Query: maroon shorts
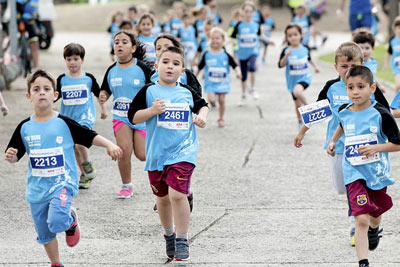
(363, 200)
(176, 176)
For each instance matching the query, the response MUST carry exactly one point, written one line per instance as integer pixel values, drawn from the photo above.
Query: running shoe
(242, 101)
(324, 39)
(126, 192)
(57, 265)
(364, 265)
(155, 209)
(73, 234)
(373, 237)
(170, 245)
(254, 93)
(221, 123)
(84, 182)
(89, 170)
(181, 250)
(352, 240)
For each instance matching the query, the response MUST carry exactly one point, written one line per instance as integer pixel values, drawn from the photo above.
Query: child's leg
(52, 251)
(252, 70)
(3, 106)
(221, 102)
(211, 98)
(375, 222)
(297, 104)
(139, 144)
(181, 210)
(78, 157)
(244, 70)
(265, 52)
(124, 137)
(165, 212)
(361, 236)
(397, 82)
(298, 92)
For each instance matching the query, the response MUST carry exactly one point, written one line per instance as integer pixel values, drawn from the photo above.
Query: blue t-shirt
(359, 6)
(157, 29)
(257, 17)
(304, 23)
(203, 46)
(50, 147)
(216, 71)
(176, 142)
(148, 41)
(77, 100)
(372, 125)
(247, 36)
(189, 39)
(372, 65)
(269, 25)
(31, 9)
(175, 24)
(166, 28)
(394, 50)
(396, 101)
(297, 69)
(124, 84)
(199, 27)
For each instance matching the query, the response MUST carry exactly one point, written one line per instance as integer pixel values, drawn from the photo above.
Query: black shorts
(33, 30)
(305, 86)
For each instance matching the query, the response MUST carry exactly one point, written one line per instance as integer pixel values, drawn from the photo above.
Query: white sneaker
(242, 101)
(254, 94)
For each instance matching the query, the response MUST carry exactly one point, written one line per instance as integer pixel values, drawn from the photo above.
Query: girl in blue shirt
(303, 20)
(295, 58)
(269, 26)
(394, 53)
(123, 80)
(199, 23)
(144, 29)
(188, 36)
(117, 19)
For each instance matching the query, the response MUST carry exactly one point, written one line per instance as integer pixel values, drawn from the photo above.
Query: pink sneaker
(73, 234)
(126, 192)
(221, 123)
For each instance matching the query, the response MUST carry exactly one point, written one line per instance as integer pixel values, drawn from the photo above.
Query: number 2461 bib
(353, 143)
(175, 117)
(47, 162)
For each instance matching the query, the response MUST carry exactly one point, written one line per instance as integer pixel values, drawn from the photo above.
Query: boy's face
(397, 30)
(359, 90)
(74, 63)
(131, 15)
(41, 93)
(266, 11)
(367, 50)
(299, 11)
(162, 44)
(343, 65)
(170, 67)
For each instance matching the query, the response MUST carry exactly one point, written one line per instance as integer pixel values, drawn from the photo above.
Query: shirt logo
(373, 129)
(116, 81)
(180, 179)
(136, 82)
(59, 139)
(350, 126)
(362, 200)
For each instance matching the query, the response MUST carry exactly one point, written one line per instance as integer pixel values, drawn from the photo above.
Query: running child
(236, 17)
(203, 45)
(166, 26)
(132, 15)
(215, 63)
(304, 21)
(176, 22)
(201, 15)
(3, 107)
(248, 35)
(116, 20)
(171, 145)
(123, 80)
(75, 88)
(157, 29)
(394, 52)
(269, 26)
(295, 57)
(370, 131)
(144, 29)
(347, 55)
(188, 36)
(317, 9)
(49, 138)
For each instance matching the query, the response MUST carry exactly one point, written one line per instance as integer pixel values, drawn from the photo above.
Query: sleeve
(146, 70)
(273, 25)
(308, 53)
(202, 63)
(390, 48)
(197, 100)
(58, 89)
(232, 61)
(193, 82)
(309, 21)
(380, 98)
(262, 20)
(389, 127)
(281, 56)
(81, 135)
(342, 107)
(199, 49)
(139, 102)
(17, 142)
(196, 30)
(235, 30)
(259, 30)
(178, 35)
(324, 92)
(95, 86)
(104, 85)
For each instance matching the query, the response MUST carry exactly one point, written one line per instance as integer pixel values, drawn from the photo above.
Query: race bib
(75, 94)
(150, 50)
(175, 117)
(316, 112)
(397, 62)
(217, 75)
(298, 66)
(189, 47)
(121, 106)
(47, 162)
(353, 143)
(248, 40)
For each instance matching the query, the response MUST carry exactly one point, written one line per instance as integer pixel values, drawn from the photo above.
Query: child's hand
(270, 42)
(297, 140)
(239, 75)
(199, 121)
(369, 150)
(103, 97)
(114, 151)
(103, 115)
(331, 149)
(4, 110)
(288, 52)
(11, 155)
(158, 106)
(316, 70)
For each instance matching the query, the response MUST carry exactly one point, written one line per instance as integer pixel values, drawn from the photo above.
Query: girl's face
(162, 44)
(146, 25)
(203, 14)
(186, 21)
(123, 47)
(119, 18)
(397, 30)
(367, 50)
(217, 40)
(266, 12)
(293, 36)
(248, 13)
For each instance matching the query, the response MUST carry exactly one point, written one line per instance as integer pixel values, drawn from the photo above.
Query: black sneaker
(364, 265)
(170, 245)
(373, 237)
(190, 199)
(155, 208)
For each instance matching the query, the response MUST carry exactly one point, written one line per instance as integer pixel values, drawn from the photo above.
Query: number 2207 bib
(47, 162)
(74, 94)
(175, 117)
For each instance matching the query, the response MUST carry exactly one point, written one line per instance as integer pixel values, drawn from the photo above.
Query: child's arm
(202, 64)
(235, 66)
(268, 40)
(114, 151)
(332, 144)
(373, 149)
(314, 66)
(380, 86)
(3, 107)
(15, 148)
(143, 115)
(96, 91)
(386, 62)
(282, 61)
(201, 119)
(238, 72)
(11, 155)
(104, 114)
(105, 91)
(300, 135)
(103, 97)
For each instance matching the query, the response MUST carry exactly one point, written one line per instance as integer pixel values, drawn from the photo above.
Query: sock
(363, 262)
(373, 230)
(182, 236)
(127, 186)
(169, 231)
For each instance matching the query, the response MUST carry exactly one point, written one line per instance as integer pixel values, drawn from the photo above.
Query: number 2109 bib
(47, 162)
(175, 117)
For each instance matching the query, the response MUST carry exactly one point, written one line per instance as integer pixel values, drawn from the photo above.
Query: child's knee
(362, 221)
(140, 155)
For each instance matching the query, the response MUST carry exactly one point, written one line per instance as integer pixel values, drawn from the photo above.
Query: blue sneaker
(182, 250)
(170, 245)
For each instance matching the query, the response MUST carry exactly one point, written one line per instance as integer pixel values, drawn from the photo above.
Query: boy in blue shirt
(171, 145)
(49, 138)
(370, 132)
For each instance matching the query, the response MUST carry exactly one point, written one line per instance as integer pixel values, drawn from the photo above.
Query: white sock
(127, 186)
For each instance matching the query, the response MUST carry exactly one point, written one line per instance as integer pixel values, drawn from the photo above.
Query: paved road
(277, 208)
